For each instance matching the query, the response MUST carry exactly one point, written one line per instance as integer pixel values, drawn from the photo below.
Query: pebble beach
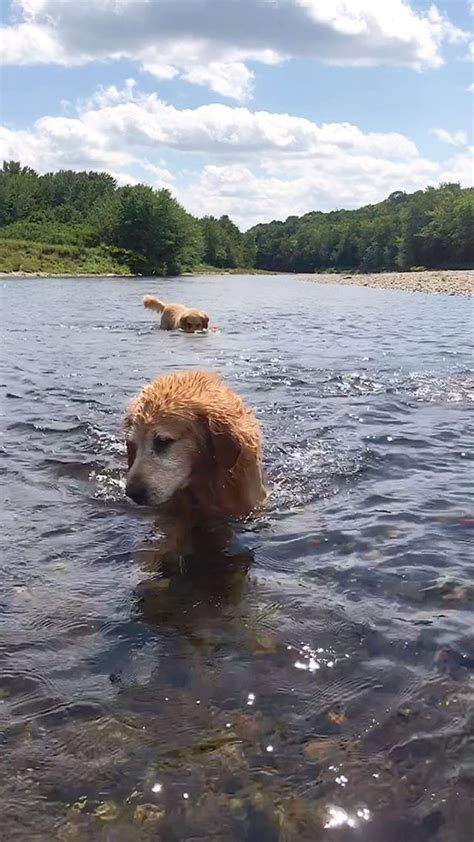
(447, 281)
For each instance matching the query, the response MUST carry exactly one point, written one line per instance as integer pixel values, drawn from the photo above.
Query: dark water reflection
(309, 676)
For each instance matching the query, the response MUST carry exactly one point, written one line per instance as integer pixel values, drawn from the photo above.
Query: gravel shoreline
(445, 281)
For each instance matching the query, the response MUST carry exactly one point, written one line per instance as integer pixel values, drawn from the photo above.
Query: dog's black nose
(137, 493)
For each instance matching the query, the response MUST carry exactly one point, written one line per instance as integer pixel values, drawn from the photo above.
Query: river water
(308, 676)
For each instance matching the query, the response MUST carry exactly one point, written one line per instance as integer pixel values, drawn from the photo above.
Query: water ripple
(302, 676)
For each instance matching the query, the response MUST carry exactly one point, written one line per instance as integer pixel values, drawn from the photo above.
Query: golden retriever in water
(192, 444)
(177, 316)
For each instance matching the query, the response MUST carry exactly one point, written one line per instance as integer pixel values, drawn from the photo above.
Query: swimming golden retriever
(193, 444)
(177, 316)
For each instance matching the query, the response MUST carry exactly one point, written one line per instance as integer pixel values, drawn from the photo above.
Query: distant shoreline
(65, 275)
(197, 274)
(436, 281)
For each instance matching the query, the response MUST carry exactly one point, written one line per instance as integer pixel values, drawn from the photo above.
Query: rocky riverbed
(447, 281)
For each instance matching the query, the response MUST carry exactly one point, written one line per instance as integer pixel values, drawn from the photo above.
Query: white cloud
(451, 138)
(471, 88)
(231, 79)
(460, 168)
(111, 95)
(251, 195)
(29, 44)
(211, 42)
(120, 117)
(162, 177)
(253, 165)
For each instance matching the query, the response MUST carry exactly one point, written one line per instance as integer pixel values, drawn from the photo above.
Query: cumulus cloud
(459, 168)
(253, 165)
(451, 138)
(211, 42)
(123, 117)
(251, 195)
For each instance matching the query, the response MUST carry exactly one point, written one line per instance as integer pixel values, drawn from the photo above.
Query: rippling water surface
(306, 677)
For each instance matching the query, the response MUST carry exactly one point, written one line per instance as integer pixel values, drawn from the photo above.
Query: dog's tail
(153, 303)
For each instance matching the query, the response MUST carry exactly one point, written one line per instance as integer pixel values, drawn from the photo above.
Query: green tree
(224, 245)
(152, 225)
(432, 227)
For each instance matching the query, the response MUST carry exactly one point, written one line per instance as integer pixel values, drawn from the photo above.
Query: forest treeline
(431, 228)
(78, 214)
(146, 230)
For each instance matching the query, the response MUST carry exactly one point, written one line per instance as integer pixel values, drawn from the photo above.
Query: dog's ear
(226, 447)
(213, 480)
(205, 322)
(228, 478)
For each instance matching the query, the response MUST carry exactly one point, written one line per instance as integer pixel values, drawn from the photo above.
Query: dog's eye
(160, 444)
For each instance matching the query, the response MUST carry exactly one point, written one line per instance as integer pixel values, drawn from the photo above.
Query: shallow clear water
(310, 676)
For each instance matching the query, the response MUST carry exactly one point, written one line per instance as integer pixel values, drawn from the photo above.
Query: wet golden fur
(209, 447)
(177, 316)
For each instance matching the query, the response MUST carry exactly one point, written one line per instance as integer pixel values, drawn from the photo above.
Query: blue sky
(256, 108)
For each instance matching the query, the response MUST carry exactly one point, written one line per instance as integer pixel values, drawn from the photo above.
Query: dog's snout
(137, 492)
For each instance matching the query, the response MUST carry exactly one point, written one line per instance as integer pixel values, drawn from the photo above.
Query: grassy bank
(205, 269)
(29, 257)
(25, 257)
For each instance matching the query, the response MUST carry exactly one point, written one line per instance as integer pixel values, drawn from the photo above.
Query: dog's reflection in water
(194, 574)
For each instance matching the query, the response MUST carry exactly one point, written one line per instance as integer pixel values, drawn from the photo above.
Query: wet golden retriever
(177, 316)
(193, 444)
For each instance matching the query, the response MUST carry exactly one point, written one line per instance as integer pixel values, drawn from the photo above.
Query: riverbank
(23, 258)
(67, 275)
(444, 281)
(125, 274)
(205, 269)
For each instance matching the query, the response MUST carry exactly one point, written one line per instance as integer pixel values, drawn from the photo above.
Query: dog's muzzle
(137, 492)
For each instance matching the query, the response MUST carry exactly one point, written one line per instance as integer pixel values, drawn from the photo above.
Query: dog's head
(194, 320)
(189, 433)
